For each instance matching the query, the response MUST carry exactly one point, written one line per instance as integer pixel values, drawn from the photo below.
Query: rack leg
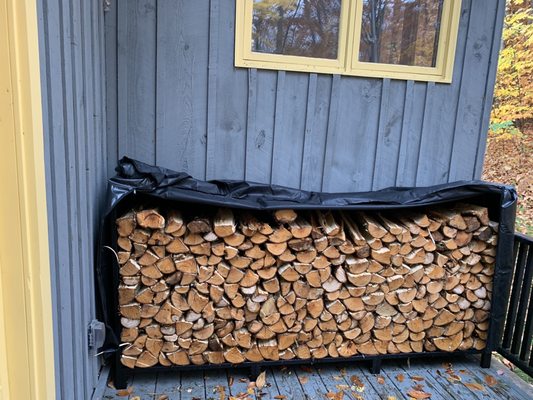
(376, 366)
(486, 358)
(254, 371)
(120, 376)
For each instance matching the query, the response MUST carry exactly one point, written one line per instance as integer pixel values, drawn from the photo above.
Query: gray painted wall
(175, 99)
(72, 51)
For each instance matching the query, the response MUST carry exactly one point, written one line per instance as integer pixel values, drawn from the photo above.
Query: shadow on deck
(436, 379)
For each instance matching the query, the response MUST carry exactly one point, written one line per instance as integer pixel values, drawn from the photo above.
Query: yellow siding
(26, 337)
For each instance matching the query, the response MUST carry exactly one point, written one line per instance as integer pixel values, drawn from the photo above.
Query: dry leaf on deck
(381, 380)
(303, 379)
(231, 379)
(280, 397)
(261, 380)
(400, 378)
(475, 386)
(342, 387)
(356, 381)
(490, 380)
(163, 397)
(125, 392)
(417, 378)
(418, 394)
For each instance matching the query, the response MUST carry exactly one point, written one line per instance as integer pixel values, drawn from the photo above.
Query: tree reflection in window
(308, 28)
(404, 32)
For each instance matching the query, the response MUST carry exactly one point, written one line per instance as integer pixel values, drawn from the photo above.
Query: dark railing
(518, 330)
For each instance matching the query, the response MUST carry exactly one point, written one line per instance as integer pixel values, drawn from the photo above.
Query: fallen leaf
(342, 387)
(221, 392)
(419, 387)
(391, 398)
(280, 397)
(380, 380)
(490, 380)
(454, 378)
(261, 380)
(400, 378)
(303, 379)
(343, 371)
(125, 392)
(335, 396)
(508, 364)
(337, 378)
(418, 394)
(475, 386)
(417, 378)
(243, 380)
(163, 397)
(231, 380)
(135, 398)
(356, 381)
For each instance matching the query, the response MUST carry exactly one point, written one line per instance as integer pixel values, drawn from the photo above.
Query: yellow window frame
(347, 63)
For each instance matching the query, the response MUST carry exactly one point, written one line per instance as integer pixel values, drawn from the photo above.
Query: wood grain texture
(72, 49)
(136, 79)
(182, 57)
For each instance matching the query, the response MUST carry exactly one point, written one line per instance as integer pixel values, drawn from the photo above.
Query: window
(402, 39)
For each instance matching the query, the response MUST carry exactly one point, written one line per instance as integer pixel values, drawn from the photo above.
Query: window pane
(402, 32)
(307, 28)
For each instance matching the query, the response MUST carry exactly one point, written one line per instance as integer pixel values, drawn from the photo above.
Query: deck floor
(441, 378)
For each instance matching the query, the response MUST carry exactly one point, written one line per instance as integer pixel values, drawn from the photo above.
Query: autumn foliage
(513, 101)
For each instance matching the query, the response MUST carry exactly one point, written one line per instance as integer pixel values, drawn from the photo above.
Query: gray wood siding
(71, 40)
(177, 100)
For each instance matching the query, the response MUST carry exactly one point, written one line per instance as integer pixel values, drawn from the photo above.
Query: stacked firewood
(234, 286)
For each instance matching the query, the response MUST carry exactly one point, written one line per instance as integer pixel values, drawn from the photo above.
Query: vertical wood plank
(260, 124)
(111, 87)
(182, 57)
(316, 127)
(473, 90)
(409, 140)
(425, 136)
(211, 149)
(56, 178)
(389, 134)
(291, 102)
(440, 126)
(136, 79)
(227, 102)
(352, 145)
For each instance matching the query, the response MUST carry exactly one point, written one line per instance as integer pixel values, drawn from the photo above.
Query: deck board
(288, 384)
(168, 383)
(396, 379)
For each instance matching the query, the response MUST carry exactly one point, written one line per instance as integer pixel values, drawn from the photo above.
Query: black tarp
(137, 183)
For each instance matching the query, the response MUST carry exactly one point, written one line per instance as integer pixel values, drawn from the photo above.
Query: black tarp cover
(137, 182)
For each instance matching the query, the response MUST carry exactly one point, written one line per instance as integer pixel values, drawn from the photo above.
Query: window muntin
(432, 39)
